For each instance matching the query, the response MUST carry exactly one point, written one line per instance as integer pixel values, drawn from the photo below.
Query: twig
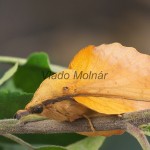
(138, 134)
(13, 126)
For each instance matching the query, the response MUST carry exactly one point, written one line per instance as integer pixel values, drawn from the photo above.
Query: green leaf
(39, 140)
(89, 143)
(51, 148)
(40, 60)
(8, 74)
(146, 129)
(6, 146)
(10, 102)
(29, 76)
(10, 86)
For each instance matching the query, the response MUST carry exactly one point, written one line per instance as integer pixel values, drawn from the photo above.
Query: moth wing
(112, 105)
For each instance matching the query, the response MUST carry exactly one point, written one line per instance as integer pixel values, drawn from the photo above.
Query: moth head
(38, 109)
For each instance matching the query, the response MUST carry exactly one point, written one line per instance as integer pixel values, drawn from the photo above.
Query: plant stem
(100, 123)
(128, 122)
(138, 134)
(19, 141)
(22, 61)
(7, 59)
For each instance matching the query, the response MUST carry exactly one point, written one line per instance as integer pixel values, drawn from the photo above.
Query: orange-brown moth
(120, 83)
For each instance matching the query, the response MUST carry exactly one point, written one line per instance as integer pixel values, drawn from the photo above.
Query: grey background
(61, 28)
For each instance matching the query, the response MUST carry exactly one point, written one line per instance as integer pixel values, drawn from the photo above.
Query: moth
(125, 89)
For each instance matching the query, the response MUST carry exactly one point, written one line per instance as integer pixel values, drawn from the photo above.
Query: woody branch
(13, 126)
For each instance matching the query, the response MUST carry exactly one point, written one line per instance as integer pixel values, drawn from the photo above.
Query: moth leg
(30, 118)
(90, 123)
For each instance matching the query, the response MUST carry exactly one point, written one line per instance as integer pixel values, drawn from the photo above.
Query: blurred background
(62, 28)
